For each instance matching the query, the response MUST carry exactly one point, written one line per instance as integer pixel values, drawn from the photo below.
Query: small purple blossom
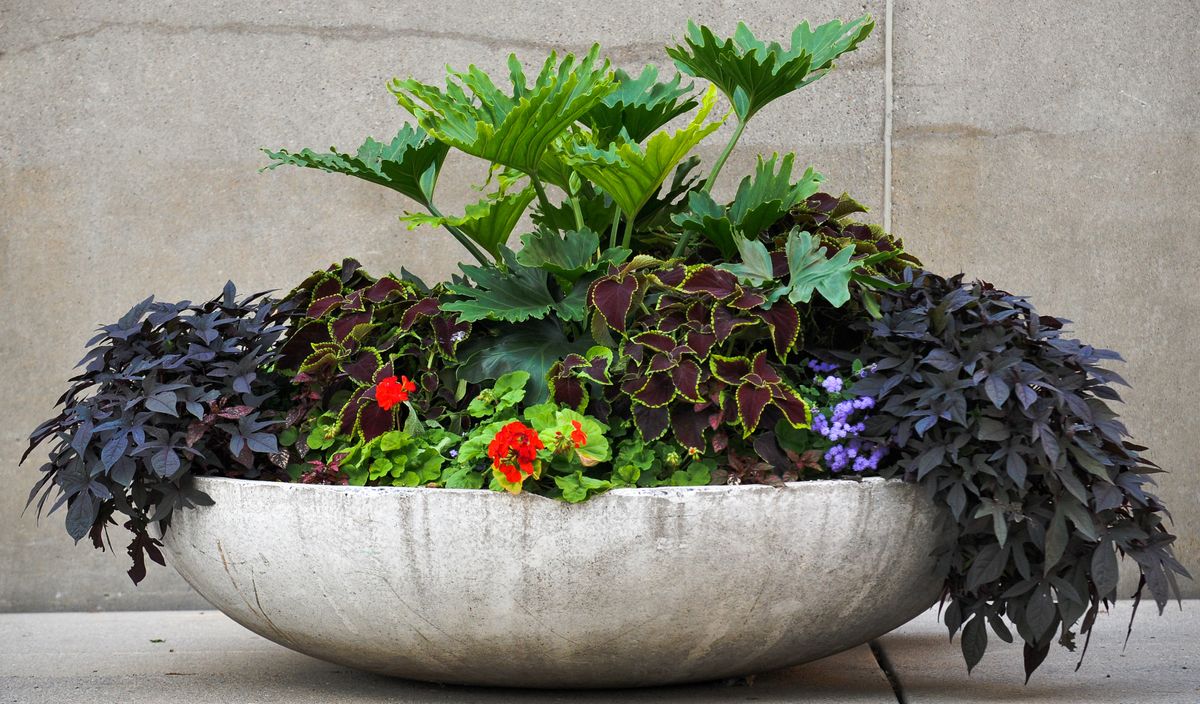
(453, 454)
(832, 384)
(820, 367)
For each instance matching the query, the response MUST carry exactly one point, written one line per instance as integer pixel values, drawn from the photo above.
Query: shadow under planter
(634, 587)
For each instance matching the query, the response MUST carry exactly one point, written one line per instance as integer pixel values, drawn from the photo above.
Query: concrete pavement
(203, 657)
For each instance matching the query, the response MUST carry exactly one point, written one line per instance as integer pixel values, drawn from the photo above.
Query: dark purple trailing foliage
(1007, 423)
(170, 389)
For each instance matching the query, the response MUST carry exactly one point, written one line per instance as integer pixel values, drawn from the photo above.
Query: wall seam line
(887, 116)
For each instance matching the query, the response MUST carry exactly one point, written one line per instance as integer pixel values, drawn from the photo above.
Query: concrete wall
(1048, 147)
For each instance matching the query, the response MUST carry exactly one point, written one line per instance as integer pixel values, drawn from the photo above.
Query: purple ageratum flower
(832, 384)
(820, 367)
(453, 453)
(862, 403)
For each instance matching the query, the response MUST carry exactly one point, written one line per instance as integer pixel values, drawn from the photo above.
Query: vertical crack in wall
(887, 116)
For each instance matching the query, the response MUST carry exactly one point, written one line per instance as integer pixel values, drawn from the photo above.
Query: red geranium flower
(514, 450)
(577, 435)
(389, 392)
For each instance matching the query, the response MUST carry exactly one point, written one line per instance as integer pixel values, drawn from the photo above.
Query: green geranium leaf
(515, 129)
(761, 200)
(752, 73)
(488, 223)
(409, 164)
(638, 106)
(631, 173)
(576, 487)
(533, 347)
(568, 255)
(810, 270)
(513, 294)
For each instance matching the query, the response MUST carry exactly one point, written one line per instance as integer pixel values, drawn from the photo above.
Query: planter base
(635, 587)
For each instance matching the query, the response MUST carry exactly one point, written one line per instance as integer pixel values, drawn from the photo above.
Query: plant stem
(578, 212)
(628, 233)
(541, 194)
(686, 238)
(458, 235)
(612, 233)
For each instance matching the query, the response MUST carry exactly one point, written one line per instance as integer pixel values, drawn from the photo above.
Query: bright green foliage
(500, 400)
(752, 73)
(516, 129)
(638, 106)
(488, 223)
(397, 458)
(631, 173)
(761, 200)
(810, 270)
(576, 487)
(409, 164)
(569, 255)
(513, 294)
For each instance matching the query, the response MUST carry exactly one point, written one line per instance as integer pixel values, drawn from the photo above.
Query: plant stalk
(458, 235)
(612, 232)
(628, 239)
(541, 194)
(686, 238)
(578, 212)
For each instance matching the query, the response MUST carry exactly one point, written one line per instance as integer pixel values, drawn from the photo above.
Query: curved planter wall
(634, 587)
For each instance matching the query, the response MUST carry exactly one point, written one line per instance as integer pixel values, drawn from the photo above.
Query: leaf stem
(612, 233)
(686, 238)
(541, 194)
(458, 235)
(578, 212)
(625, 241)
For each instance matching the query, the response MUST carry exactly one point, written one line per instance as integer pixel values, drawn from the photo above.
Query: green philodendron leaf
(809, 270)
(638, 106)
(568, 255)
(630, 173)
(409, 163)
(532, 347)
(515, 129)
(756, 267)
(752, 73)
(513, 294)
(488, 223)
(761, 200)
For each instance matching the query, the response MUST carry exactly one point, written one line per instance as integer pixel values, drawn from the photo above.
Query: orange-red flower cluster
(389, 392)
(514, 450)
(577, 435)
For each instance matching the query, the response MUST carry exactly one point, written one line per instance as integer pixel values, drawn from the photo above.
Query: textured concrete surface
(1029, 140)
(1160, 665)
(203, 657)
(636, 587)
(1053, 150)
(129, 137)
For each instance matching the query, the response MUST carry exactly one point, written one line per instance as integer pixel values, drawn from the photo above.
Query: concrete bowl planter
(634, 587)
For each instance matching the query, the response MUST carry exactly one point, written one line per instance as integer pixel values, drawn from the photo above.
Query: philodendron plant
(622, 324)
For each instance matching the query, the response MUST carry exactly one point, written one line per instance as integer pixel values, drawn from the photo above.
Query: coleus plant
(646, 332)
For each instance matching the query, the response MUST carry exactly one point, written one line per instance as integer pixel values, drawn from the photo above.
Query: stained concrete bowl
(634, 587)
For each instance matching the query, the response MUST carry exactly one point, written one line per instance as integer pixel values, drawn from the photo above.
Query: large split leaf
(515, 129)
(489, 222)
(568, 255)
(638, 106)
(533, 347)
(752, 73)
(514, 293)
(810, 270)
(631, 173)
(761, 200)
(409, 163)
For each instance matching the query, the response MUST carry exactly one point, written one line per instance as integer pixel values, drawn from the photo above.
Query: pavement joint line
(889, 671)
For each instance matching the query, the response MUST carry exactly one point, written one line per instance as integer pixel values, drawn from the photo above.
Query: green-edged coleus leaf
(533, 347)
(752, 73)
(514, 129)
(809, 269)
(409, 163)
(514, 293)
(638, 106)
(568, 377)
(631, 173)
(569, 255)
(755, 385)
(761, 200)
(488, 223)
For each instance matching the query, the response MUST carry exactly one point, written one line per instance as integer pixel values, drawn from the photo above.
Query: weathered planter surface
(634, 587)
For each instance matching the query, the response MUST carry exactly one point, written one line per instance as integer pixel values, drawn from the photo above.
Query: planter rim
(622, 491)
